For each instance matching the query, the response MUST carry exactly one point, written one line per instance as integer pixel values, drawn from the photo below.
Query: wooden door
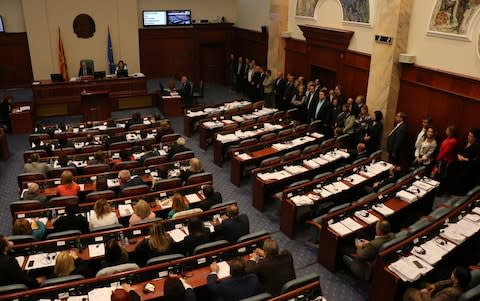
(212, 63)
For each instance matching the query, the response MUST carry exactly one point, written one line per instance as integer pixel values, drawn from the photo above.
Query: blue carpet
(338, 286)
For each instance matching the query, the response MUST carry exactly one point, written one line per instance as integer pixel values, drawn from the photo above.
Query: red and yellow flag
(61, 57)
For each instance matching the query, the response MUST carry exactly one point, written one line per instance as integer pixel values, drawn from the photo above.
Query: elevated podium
(95, 105)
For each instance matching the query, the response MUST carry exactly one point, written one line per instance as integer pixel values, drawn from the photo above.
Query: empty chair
(259, 297)
(198, 178)
(419, 170)
(18, 206)
(12, 288)
(117, 269)
(473, 191)
(135, 190)
(60, 280)
(339, 207)
(210, 246)
(440, 212)
(279, 195)
(106, 228)
(230, 127)
(292, 155)
(270, 161)
(268, 137)
(321, 175)
(376, 154)
(169, 138)
(183, 156)
(315, 126)
(386, 187)
(164, 258)
(96, 195)
(311, 149)
(299, 282)
(186, 213)
(316, 227)
(358, 161)
(92, 148)
(146, 141)
(327, 143)
(155, 160)
(341, 168)
(61, 234)
(166, 184)
(301, 129)
(278, 115)
(248, 122)
(20, 239)
(95, 168)
(365, 197)
(251, 236)
(404, 178)
(29, 177)
(264, 118)
(119, 145)
(61, 201)
(418, 225)
(57, 172)
(293, 113)
(126, 165)
(248, 142)
(285, 133)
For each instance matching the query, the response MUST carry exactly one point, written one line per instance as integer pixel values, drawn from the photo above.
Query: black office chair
(210, 246)
(299, 281)
(60, 280)
(164, 258)
(251, 236)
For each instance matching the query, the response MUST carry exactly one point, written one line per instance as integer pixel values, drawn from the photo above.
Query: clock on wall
(84, 26)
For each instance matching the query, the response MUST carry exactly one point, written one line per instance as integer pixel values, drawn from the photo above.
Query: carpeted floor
(338, 286)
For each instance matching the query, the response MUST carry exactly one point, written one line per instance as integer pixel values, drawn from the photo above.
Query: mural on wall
(356, 11)
(306, 8)
(453, 16)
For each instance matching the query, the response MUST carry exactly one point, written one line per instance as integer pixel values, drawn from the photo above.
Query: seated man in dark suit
(211, 198)
(126, 180)
(71, 221)
(178, 147)
(359, 153)
(233, 226)
(367, 250)
(149, 153)
(274, 269)
(84, 70)
(241, 285)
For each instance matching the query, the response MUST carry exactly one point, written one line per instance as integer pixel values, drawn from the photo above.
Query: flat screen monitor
(2, 28)
(154, 18)
(56, 77)
(179, 17)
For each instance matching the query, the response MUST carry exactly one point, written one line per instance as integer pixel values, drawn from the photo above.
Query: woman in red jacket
(447, 154)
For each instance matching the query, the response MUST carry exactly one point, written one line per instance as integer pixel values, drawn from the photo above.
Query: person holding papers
(159, 243)
(102, 215)
(198, 235)
(445, 290)
(240, 286)
(142, 212)
(11, 272)
(367, 250)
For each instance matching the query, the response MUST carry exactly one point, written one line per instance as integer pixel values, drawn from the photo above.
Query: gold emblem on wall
(84, 26)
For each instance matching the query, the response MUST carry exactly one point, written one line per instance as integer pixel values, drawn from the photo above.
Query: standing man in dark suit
(186, 90)
(245, 67)
(279, 86)
(274, 269)
(240, 286)
(239, 74)
(397, 138)
(233, 226)
(257, 79)
(323, 112)
(84, 69)
(289, 93)
(311, 101)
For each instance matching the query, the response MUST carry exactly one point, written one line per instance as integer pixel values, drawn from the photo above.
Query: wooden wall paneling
(15, 64)
(251, 44)
(356, 67)
(296, 61)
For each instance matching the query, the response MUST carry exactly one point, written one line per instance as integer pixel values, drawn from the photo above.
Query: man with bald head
(233, 226)
(126, 180)
(33, 193)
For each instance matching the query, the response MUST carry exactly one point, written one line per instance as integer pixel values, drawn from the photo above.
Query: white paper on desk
(351, 224)
(422, 185)
(405, 270)
(406, 196)
(223, 269)
(476, 210)
(340, 229)
(77, 298)
(237, 118)
(431, 182)
(320, 160)
(316, 135)
(103, 293)
(340, 186)
(125, 209)
(177, 235)
(301, 200)
(113, 183)
(324, 193)
(355, 179)
(370, 219)
(444, 244)
(433, 253)
(244, 157)
(329, 157)
(96, 250)
(193, 198)
(416, 191)
(383, 209)
(311, 163)
(209, 226)
(42, 260)
(280, 146)
(331, 188)
(44, 220)
(295, 169)
(453, 235)
(20, 260)
(474, 218)
(467, 227)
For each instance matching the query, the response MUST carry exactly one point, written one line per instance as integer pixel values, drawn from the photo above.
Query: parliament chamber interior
(240, 150)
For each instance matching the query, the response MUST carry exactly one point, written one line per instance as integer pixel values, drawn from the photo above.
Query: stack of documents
(277, 175)
(383, 209)
(432, 251)
(323, 192)
(345, 226)
(125, 209)
(422, 185)
(416, 191)
(295, 169)
(316, 135)
(244, 157)
(311, 163)
(351, 224)
(301, 200)
(410, 268)
(227, 138)
(406, 196)
(369, 219)
(212, 124)
(196, 113)
(192, 198)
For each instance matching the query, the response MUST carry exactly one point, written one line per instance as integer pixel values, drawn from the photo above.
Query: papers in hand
(223, 270)
(125, 209)
(96, 250)
(177, 235)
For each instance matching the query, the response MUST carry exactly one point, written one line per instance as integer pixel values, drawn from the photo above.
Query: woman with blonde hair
(159, 243)
(68, 263)
(142, 212)
(67, 187)
(195, 166)
(178, 204)
(102, 215)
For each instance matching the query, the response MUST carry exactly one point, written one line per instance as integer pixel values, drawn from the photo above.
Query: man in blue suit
(241, 285)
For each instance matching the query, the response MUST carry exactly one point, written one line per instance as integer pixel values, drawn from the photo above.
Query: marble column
(392, 19)
(276, 44)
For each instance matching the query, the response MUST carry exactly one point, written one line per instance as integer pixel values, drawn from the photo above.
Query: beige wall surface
(253, 14)
(44, 17)
(453, 55)
(211, 10)
(12, 13)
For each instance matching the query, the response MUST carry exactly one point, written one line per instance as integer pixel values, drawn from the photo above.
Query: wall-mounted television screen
(166, 17)
(179, 17)
(2, 28)
(154, 18)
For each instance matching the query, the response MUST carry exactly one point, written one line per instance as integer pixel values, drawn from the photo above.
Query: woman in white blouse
(102, 215)
(425, 149)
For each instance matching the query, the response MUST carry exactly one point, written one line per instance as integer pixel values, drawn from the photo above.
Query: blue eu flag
(111, 64)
